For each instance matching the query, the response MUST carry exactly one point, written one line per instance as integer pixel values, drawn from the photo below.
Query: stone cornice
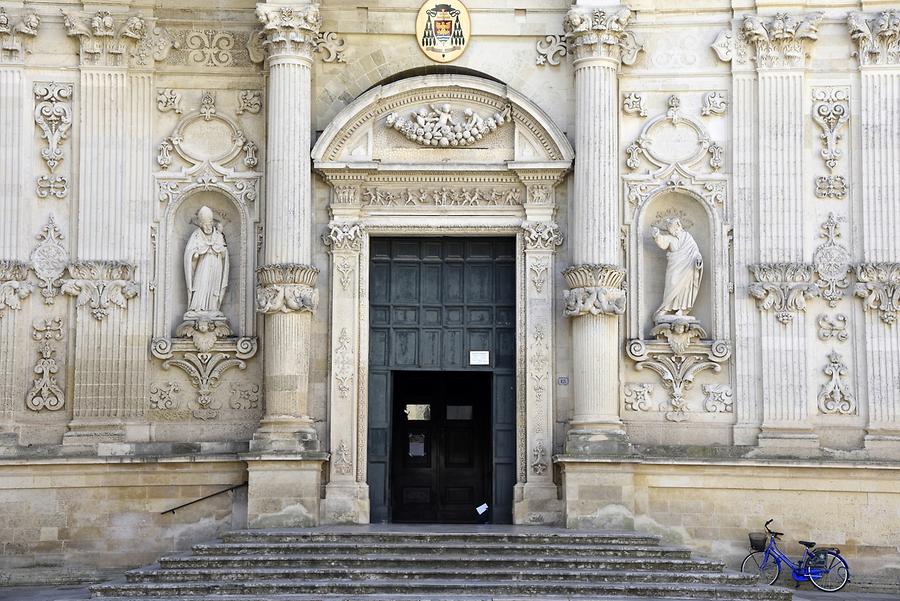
(782, 40)
(596, 33)
(289, 31)
(877, 37)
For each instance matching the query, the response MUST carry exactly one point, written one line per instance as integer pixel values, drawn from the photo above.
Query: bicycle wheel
(831, 572)
(753, 564)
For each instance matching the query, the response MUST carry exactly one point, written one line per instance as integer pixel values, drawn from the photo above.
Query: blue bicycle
(824, 567)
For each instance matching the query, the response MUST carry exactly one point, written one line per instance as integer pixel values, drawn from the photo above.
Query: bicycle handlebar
(773, 533)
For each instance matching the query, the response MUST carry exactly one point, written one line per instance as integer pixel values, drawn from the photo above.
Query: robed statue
(684, 268)
(206, 266)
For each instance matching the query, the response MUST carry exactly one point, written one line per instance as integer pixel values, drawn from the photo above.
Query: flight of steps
(479, 563)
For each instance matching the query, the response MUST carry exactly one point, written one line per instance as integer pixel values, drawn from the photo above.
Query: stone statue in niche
(684, 270)
(206, 277)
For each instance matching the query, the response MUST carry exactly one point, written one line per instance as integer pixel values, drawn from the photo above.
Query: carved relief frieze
(16, 35)
(783, 288)
(99, 284)
(541, 235)
(718, 398)
(832, 327)
(343, 236)
(344, 367)
(249, 101)
(597, 33)
(714, 103)
(877, 36)
(781, 40)
(14, 287)
(594, 289)
(53, 115)
(210, 48)
(45, 392)
(445, 196)
(442, 125)
(550, 50)
(879, 287)
(639, 397)
(49, 260)
(168, 99)
(832, 262)
(286, 288)
(835, 396)
(633, 104)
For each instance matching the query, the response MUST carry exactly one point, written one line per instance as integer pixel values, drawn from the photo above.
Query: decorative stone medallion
(443, 30)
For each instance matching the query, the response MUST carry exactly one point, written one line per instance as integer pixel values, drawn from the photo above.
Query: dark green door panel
(432, 300)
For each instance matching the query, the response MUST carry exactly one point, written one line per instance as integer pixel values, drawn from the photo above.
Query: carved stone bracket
(678, 367)
(550, 50)
(832, 262)
(594, 33)
(877, 37)
(343, 236)
(286, 288)
(782, 40)
(541, 235)
(49, 260)
(595, 289)
(45, 392)
(783, 288)
(835, 396)
(879, 287)
(99, 284)
(16, 35)
(13, 285)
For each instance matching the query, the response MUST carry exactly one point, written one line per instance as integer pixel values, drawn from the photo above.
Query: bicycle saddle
(807, 544)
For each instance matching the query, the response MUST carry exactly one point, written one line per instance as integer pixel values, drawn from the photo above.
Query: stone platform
(435, 562)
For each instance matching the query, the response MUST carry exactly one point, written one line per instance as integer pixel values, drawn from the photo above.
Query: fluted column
(599, 43)
(879, 275)
(781, 50)
(287, 294)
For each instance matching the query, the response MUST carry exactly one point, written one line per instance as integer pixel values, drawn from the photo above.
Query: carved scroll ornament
(783, 288)
(45, 392)
(99, 284)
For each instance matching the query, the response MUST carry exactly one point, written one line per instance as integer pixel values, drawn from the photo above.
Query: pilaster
(599, 42)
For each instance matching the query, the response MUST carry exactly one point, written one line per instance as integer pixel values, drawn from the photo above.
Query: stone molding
(541, 235)
(100, 284)
(550, 50)
(782, 40)
(287, 288)
(595, 33)
(343, 236)
(595, 289)
(783, 288)
(879, 287)
(16, 35)
(289, 31)
(877, 37)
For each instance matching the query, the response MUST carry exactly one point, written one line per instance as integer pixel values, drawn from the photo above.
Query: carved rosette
(291, 31)
(877, 37)
(16, 35)
(595, 289)
(594, 33)
(541, 235)
(286, 288)
(13, 285)
(782, 40)
(879, 287)
(783, 288)
(99, 284)
(343, 236)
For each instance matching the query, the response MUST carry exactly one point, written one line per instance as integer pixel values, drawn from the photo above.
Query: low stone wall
(710, 506)
(77, 519)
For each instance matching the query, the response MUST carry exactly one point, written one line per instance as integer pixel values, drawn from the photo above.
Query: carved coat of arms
(443, 30)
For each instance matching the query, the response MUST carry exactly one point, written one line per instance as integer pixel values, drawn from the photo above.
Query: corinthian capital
(596, 33)
(289, 30)
(286, 288)
(595, 289)
(782, 40)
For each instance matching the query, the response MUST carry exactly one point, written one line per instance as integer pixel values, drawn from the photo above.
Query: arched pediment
(441, 120)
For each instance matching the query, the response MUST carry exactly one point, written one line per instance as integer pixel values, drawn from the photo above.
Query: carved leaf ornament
(441, 125)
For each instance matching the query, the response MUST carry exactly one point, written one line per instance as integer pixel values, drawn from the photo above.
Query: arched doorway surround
(440, 155)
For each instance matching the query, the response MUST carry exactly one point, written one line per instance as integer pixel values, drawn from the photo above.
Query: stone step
(499, 575)
(451, 588)
(397, 562)
(467, 537)
(431, 549)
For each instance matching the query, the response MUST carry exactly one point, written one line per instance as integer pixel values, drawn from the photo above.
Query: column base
(346, 503)
(284, 435)
(793, 443)
(597, 495)
(883, 444)
(537, 503)
(284, 491)
(598, 442)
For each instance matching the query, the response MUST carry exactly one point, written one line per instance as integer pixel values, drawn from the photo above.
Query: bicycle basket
(758, 540)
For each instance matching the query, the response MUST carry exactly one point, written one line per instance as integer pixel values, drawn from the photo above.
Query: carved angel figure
(206, 265)
(684, 268)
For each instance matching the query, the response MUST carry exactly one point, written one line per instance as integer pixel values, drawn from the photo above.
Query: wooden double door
(441, 446)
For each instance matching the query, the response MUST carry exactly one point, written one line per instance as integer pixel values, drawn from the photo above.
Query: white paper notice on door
(479, 357)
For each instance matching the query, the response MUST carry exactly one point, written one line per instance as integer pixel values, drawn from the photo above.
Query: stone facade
(708, 266)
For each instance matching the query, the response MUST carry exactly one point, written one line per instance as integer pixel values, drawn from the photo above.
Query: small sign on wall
(479, 357)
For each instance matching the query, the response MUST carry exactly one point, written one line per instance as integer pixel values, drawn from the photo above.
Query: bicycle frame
(800, 571)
